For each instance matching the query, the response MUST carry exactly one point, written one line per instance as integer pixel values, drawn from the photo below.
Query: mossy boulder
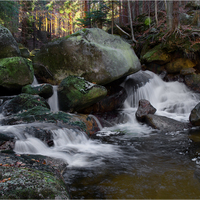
(43, 90)
(40, 113)
(156, 54)
(8, 45)
(177, 65)
(90, 53)
(15, 72)
(27, 183)
(75, 93)
(24, 102)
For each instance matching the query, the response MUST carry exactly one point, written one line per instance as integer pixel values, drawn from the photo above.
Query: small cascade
(97, 121)
(53, 100)
(35, 82)
(72, 146)
(172, 99)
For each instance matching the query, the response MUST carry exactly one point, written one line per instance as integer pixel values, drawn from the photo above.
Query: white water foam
(35, 82)
(171, 99)
(72, 146)
(53, 100)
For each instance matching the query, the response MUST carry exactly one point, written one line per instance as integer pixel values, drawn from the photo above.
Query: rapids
(128, 160)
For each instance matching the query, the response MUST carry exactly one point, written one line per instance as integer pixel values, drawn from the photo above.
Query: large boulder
(164, 123)
(8, 45)
(15, 72)
(144, 109)
(75, 93)
(90, 53)
(195, 115)
(43, 90)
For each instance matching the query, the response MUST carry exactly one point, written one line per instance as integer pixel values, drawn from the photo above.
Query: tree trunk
(112, 16)
(131, 23)
(175, 15)
(169, 15)
(156, 12)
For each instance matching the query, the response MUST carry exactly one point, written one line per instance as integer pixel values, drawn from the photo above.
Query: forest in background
(36, 22)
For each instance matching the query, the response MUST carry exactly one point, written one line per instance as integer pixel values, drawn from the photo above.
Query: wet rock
(85, 123)
(90, 53)
(43, 90)
(144, 109)
(195, 115)
(136, 80)
(75, 93)
(9, 46)
(113, 100)
(24, 102)
(165, 124)
(193, 82)
(15, 73)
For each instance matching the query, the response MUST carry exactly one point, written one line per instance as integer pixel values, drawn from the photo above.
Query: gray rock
(8, 45)
(195, 115)
(91, 53)
(165, 124)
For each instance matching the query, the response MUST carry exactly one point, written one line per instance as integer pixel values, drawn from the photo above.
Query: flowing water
(128, 160)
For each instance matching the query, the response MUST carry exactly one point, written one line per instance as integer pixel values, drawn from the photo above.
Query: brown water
(161, 166)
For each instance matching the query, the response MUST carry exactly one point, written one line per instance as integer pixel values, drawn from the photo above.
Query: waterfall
(72, 146)
(53, 100)
(35, 82)
(171, 99)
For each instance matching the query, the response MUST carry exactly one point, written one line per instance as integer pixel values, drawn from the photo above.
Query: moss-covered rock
(157, 54)
(27, 183)
(91, 53)
(43, 90)
(85, 123)
(177, 65)
(8, 45)
(24, 102)
(15, 72)
(75, 93)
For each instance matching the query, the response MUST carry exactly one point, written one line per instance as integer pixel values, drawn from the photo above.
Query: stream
(128, 160)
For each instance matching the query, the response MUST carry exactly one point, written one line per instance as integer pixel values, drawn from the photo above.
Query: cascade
(53, 100)
(35, 82)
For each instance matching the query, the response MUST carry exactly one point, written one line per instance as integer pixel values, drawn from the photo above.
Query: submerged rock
(43, 90)
(144, 109)
(90, 53)
(164, 123)
(15, 72)
(195, 115)
(8, 45)
(75, 93)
